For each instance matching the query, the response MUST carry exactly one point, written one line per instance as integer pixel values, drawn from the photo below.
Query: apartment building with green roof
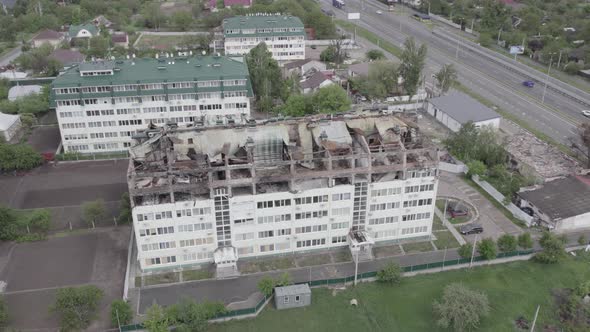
(100, 105)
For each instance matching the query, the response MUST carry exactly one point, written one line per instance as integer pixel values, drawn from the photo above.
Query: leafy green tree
(383, 79)
(121, 313)
(266, 286)
(4, 87)
(93, 211)
(189, 316)
(331, 99)
(572, 68)
(485, 39)
(265, 76)
(553, 249)
(582, 240)
(476, 167)
(18, 157)
(466, 250)
(322, 24)
(373, 55)
(446, 77)
(391, 273)
(328, 54)
(8, 229)
(98, 47)
(507, 243)
(182, 20)
(461, 309)
(39, 221)
(3, 313)
(156, 319)
(124, 209)
(283, 280)
(297, 105)
(412, 64)
(487, 248)
(154, 17)
(525, 241)
(76, 306)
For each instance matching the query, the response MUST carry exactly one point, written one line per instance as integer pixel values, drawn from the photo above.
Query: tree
(154, 17)
(3, 312)
(465, 250)
(265, 76)
(412, 64)
(283, 280)
(507, 243)
(331, 99)
(182, 20)
(76, 306)
(8, 229)
(93, 211)
(373, 55)
(297, 105)
(553, 249)
(446, 78)
(121, 313)
(584, 137)
(476, 167)
(189, 316)
(266, 286)
(382, 80)
(485, 39)
(124, 209)
(487, 248)
(98, 47)
(18, 157)
(39, 221)
(391, 273)
(328, 54)
(525, 241)
(572, 68)
(461, 308)
(156, 319)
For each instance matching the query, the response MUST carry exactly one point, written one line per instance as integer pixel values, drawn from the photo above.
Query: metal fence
(91, 156)
(360, 276)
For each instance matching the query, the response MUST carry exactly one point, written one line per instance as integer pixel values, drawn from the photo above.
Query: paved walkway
(495, 223)
(449, 226)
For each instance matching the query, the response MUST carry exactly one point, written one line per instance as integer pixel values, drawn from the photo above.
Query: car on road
(471, 229)
(379, 12)
(528, 84)
(586, 113)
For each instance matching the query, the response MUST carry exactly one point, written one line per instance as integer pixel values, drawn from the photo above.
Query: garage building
(457, 109)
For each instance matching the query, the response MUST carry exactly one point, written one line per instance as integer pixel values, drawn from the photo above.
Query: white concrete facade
(283, 48)
(455, 125)
(283, 222)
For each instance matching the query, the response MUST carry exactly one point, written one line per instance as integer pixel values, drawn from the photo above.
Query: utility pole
(546, 79)
(473, 252)
(444, 259)
(457, 52)
(499, 34)
(535, 319)
(472, 23)
(559, 59)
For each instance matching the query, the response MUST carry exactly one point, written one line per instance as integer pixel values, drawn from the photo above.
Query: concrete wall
(575, 222)
(516, 212)
(454, 125)
(456, 168)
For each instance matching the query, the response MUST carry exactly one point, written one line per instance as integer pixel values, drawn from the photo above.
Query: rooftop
(262, 21)
(463, 108)
(297, 63)
(119, 37)
(292, 290)
(74, 29)
(314, 81)
(22, 90)
(48, 34)
(66, 57)
(7, 120)
(361, 68)
(561, 198)
(151, 70)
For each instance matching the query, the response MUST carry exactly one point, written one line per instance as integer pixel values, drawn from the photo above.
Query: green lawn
(513, 289)
(445, 240)
(417, 247)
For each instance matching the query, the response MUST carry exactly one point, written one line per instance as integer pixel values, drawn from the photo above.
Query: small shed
(9, 126)
(293, 296)
(456, 109)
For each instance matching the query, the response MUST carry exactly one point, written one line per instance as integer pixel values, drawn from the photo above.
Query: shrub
(465, 250)
(525, 241)
(375, 55)
(487, 248)
(121, 313)
(582, 240)
(76, 306)
(461, 308)
(507, 243)
(391, 273)
(553, 249)
(572, 68)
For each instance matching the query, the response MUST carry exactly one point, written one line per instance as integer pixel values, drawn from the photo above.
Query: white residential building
(282, 187)
(283, 35)
(101, 105)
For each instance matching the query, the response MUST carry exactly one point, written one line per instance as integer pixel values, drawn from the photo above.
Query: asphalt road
(557, 117)
(8, 57)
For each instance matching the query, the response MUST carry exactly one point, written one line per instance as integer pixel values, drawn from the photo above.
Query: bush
(375, 55)
(19, 157)
(3, 312)
(391, 273)
(487, 248)
(461, 308)
(121, 313)
(466, 250)
(156, 319)
(553, 249)
(329, 54)
(476, 167)
(525, 241)
(507, 243)
(485, 39)
(572, 68)
(267, 284)
(582, 240)
(76, 306)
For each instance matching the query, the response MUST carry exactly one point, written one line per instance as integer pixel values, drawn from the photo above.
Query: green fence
(360, 276)
(91, 156)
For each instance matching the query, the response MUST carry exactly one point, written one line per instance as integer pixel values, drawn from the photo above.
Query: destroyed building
(216, 194)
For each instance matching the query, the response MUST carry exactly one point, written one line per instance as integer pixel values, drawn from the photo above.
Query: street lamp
(547, 79)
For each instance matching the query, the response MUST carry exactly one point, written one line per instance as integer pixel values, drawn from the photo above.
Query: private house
(301, 67)
(120, 39)
(82, 31)
(314, 82)
(229, 4)
(456, 109)
(358, 69)
(47, 36)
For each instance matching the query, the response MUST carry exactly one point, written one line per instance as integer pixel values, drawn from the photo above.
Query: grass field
(513, 289)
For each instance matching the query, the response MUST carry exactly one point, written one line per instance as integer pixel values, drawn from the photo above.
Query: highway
(492, 78)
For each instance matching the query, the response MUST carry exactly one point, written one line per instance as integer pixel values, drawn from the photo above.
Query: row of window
(384, 206)
(195, 242)
(158, 246)
(311, 214)
(386, 192)
(418, 202)
(416, 216)
(151, 86)
(419, 188)
(383, 220)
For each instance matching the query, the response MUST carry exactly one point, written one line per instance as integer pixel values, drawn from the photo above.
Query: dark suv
(471, 229)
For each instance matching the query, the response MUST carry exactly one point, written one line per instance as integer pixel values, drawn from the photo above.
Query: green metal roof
(151, 70)
(259, 22)
(74, 29)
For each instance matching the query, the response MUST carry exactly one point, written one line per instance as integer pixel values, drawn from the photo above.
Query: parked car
(527, 210)
(529, 84)
(313, 47)
(586, 113)
(471, 229)
(456, 213)
(379, 12)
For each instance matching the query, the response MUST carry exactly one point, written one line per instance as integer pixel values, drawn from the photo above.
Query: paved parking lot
(494, 223)
(63, 187)
(34, 271)
(45, 138)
